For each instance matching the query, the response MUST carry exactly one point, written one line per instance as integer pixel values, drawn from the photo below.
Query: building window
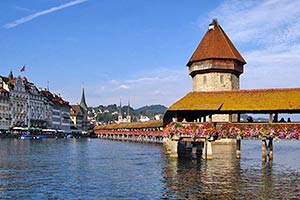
(222, 79)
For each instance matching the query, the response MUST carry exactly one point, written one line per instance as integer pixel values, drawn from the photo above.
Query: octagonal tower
(216, 64)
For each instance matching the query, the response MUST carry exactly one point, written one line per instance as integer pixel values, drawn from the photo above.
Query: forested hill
(109, 113)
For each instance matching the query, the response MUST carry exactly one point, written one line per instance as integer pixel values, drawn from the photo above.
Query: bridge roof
(215, 45)
(256, 101)
(133, 125)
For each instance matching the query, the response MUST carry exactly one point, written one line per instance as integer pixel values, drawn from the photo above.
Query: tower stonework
(216, 64)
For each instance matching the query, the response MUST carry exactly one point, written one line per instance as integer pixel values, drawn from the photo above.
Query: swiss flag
(22, 69)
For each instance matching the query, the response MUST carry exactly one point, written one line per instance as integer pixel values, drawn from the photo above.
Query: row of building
(22, 104)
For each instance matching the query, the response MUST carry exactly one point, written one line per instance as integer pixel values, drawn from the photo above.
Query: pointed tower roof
(215, 45)
(83, 102)
(128, 108)
(10, 75)
(120, 109)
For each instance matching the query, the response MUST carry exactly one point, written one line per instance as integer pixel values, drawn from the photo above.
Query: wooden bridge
(151, 131)
(197, 139)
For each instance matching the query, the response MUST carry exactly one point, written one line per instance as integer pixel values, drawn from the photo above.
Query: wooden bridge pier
(189, 147)
(238, 148)
(267, 150)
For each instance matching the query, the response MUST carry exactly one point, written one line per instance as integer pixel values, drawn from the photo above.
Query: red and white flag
(22, 69)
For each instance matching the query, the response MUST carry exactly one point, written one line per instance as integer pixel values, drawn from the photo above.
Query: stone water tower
(216, 64)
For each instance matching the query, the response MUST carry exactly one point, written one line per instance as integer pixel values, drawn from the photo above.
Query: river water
(104, 169)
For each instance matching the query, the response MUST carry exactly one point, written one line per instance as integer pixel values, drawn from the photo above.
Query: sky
(137, 50)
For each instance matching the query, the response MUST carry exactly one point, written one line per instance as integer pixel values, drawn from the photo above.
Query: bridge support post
(238, 148)
(174, 148)
(264, 150)
(207, 150)
(270, 150)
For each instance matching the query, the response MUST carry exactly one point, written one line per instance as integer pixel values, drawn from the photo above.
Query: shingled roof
(133, 125)
(256, 101)
(215, 45)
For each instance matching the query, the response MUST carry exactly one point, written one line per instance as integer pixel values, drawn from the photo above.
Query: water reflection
(102, 169)
(225, 177)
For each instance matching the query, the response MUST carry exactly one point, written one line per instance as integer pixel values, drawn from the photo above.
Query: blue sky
(138, 49)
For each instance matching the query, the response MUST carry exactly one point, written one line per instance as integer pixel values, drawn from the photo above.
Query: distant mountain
(244, 117)
(151, 110)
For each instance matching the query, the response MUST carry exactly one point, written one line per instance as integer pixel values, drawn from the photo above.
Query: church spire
(83, 102)
(10, 75)
(128, 108)
(128, 117)
(120, 117)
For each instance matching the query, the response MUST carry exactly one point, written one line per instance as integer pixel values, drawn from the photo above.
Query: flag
(22, 69)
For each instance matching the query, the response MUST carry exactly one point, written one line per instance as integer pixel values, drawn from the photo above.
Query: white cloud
(164, 86)
(122, 87)
(41, 13)
(267, 34)
(266, 22)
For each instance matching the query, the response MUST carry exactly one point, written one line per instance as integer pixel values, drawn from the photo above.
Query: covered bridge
(196, 105)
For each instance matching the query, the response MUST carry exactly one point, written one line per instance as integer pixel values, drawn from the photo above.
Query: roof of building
(5, 79)
(75, 110)
(3, 90)
(54, 98)
(83, 102)
(132, 125)
(261, 100)
(215, 45)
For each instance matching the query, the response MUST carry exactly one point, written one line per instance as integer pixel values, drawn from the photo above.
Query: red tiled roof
(215, 45)
(75, 110)
(54, 98)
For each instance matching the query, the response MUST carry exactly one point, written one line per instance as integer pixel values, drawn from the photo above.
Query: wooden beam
(270, 149)
(238, 148)
(264, 150)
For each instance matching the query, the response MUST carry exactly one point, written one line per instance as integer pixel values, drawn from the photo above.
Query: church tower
(84, 107)
(83, 102)
(128, 117)
(216, 64)
(120, 117)
(10, 75)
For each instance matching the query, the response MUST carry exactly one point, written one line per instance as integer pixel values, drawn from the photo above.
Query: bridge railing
(132, 132)
(234, 130)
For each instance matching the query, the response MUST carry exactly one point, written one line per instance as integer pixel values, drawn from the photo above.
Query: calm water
(103, 169)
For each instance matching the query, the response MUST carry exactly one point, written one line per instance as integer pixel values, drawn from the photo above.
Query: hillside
(109, 113)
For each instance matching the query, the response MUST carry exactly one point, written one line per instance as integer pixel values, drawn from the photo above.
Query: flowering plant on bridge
(233, 130)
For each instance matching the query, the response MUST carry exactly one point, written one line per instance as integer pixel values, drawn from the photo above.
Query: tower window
(204, 79)
(221, 79)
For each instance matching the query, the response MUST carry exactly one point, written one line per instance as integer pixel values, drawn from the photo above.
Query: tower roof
(215, 45)
(82, 102)
(10, 75)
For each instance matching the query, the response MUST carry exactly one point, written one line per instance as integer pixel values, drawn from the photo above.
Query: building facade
(36, 107)
(5, 118)
(60, 113)
(4, 109)
(22, 104)
(18, 102)
(57, 111)
(77, 114)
